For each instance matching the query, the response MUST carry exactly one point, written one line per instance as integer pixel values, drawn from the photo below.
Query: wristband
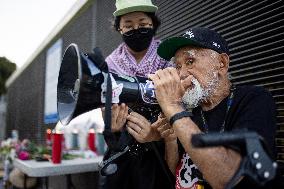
(179, 116)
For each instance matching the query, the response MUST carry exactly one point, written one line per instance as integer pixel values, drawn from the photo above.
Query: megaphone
(82, 86)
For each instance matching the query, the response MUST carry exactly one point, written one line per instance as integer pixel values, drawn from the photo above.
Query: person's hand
(118, 116)
(163, 126)
(140, 128)
(169, 90)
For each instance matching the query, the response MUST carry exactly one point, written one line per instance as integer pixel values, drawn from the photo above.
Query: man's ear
(224, 63)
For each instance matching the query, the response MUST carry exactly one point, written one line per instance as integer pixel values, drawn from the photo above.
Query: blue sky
(24, 24)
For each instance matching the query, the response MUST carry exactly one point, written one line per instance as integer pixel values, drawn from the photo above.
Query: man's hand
(140, 128)
(169, 90)
(164, 128)
(118, 116)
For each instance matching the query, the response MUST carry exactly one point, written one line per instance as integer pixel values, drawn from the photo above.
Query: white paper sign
(53, 62)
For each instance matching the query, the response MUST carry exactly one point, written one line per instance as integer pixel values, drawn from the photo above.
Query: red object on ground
(56, 147)
(91, 141)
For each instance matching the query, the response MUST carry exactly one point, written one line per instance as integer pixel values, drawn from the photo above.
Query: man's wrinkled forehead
(194, 52)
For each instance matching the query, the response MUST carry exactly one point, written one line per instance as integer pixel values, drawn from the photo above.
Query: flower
(23, 150)
(7, 149)
(23, 155)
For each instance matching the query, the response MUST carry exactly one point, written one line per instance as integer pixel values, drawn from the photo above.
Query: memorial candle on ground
(91, 140)
(75, 144)
(56, 147)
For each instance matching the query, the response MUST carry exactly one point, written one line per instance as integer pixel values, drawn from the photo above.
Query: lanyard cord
(229, 104)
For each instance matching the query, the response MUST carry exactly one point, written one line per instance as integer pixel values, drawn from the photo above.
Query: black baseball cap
(200, 37)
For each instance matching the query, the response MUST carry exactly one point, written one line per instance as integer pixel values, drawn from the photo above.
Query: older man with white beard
(198, 97)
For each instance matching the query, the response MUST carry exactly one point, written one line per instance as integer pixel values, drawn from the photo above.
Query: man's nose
(183, 73)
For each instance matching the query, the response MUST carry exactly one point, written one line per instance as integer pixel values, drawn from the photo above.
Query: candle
(56, 147)
(91, 140)
(82, 139)
(68, 140)
(75, 139)
(100, 144)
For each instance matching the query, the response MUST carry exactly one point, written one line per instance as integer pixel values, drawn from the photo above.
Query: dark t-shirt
(253, 109)
(141, 171)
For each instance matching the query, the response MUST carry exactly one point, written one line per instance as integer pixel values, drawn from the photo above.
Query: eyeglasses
(142, 28)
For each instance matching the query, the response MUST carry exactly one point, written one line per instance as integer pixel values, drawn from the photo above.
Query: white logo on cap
(216, 45)
(190, 33)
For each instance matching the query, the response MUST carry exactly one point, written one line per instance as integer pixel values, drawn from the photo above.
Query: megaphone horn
(82, 86)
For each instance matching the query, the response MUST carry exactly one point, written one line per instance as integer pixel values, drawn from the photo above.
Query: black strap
(108, 104)
(114, 143)
(108, 135)
(179, 116)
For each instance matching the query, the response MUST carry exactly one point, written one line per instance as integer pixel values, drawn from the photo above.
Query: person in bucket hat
(197, 97)
(137, 22)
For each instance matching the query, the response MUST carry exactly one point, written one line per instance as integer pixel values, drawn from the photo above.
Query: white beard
(192, 97)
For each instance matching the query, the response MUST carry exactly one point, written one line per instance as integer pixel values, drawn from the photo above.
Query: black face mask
(138, 39)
